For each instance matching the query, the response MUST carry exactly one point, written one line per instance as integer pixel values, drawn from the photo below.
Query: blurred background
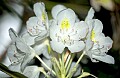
(15, 13)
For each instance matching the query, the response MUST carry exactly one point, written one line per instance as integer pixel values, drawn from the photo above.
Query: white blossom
(97, 45)
(66, 32)
(37, 26)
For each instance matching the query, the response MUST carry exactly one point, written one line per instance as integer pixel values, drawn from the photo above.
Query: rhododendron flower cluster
(55, 43)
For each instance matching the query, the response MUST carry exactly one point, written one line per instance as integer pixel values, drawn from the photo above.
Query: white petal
(28, 39)
(77, 46)
(12, 34)
(44, 34)
(14, 55)
(21, 45)
(69, 14)
(31, 72)
(39, 8)
(90, 24)
(34, 26)
(107, 58)
(99, 36)
(53, 30)
(15, 67)
(107, 42)
(39, 48)
(56, 9)
(90, 14)
(89, 44)
(82, 29)
(98, 26)
(57, 46)
(27, 59)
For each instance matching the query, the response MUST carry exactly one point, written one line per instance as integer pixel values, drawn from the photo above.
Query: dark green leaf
(11, 73)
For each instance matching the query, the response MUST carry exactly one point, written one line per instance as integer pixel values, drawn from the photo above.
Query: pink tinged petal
(57, 46)
(56, 9)
(107, 58)
(69, 14)
(39, 8)
(34, 27)
(77, 46)
(90, 14)
(98, 26)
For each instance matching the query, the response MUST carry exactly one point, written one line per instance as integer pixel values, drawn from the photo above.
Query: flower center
(65, 24)
(64, 38)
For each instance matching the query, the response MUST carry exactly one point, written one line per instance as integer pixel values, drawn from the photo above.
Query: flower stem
(41, 69)
(74, 68)
(44, 64)
(63, 66)
(69, 64)
(80, 58)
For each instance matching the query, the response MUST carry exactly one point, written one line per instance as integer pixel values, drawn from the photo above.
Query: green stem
(74, 68)
(56, 70)
(44, 64)
(67, 60)
(41, 69)
(79, 59)
(63, 66)
(69, 64)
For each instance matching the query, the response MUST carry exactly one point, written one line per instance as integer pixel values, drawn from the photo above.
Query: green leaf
(11, 73)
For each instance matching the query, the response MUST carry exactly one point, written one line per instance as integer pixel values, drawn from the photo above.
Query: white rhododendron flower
(65, 32)
(98, 43)
(37, 26)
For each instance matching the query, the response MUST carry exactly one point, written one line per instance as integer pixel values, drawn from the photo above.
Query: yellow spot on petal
(93, 36)
(65, 24)
(43, 16)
